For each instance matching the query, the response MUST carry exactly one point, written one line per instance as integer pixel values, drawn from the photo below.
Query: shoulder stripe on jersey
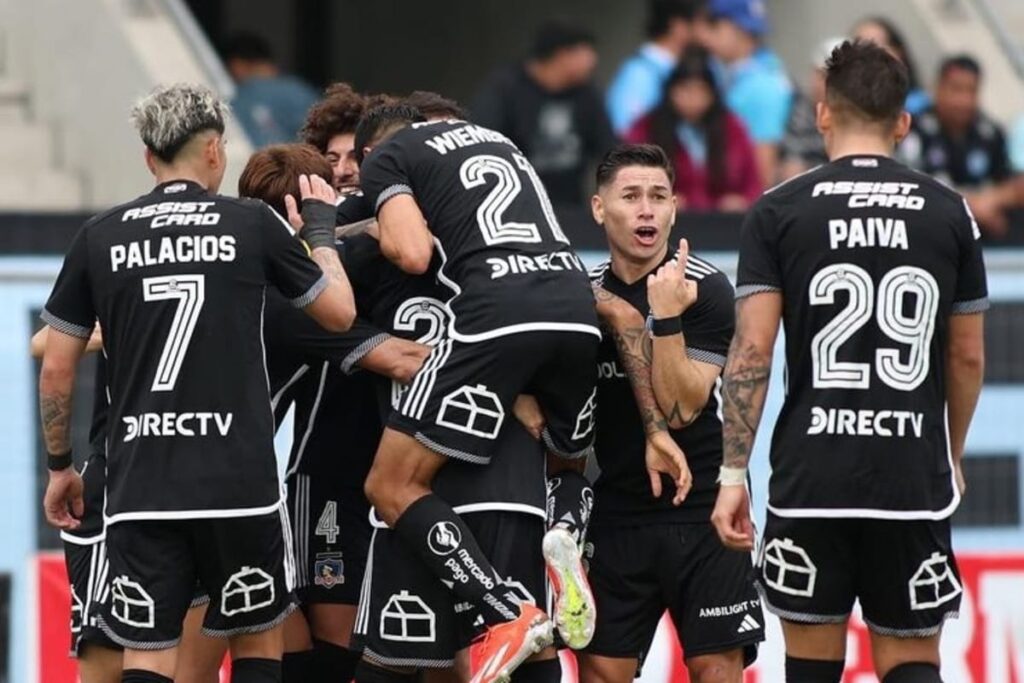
(697, 262)
(389, 192)
(598, 271)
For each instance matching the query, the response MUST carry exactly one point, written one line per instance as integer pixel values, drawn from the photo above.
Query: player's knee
(716, 668)
(913, 672)
(813, 670)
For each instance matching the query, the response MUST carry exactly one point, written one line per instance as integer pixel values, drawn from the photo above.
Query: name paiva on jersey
(176, 424)
(173, 213)
(848, 422)
(864, 195)
(180, 249)
(521, 263)
(867, 232)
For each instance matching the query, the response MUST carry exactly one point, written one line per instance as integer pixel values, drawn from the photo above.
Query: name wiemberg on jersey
(464, 136)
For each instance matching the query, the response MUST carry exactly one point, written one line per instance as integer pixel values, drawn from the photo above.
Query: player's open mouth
(646, 235)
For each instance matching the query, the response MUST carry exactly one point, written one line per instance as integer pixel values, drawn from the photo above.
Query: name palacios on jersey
(173, 249)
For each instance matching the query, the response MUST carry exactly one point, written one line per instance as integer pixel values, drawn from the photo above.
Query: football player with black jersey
(177, 280)
(875, 272)
(522, 321)
(671, 318)
(336, 431)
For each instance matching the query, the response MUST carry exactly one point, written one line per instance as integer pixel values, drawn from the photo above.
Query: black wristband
(318, 220)
(665, 327)
(55, 463)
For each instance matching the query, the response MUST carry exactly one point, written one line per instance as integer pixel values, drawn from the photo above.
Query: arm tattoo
(635, 352)
(743, 393)
(55, 410)
(329, 263)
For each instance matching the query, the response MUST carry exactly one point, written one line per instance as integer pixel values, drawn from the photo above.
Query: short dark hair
(434, 105)
(864, 81)
(661, 13)
(962, 62)
(249, 47)
(556, 35)
(273, 172)
(621, 156)
(380, 122)
(336, 114)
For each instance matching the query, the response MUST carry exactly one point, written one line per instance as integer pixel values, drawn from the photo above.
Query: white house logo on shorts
(444, 538)
(788, 569)
(131, 604)
(473, 410)
(933, 583)
(408, 619)
(247, 590)
(585, 420)
(77, 612)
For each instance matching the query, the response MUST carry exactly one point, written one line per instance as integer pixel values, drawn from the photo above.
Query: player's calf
(813, 670)
(720, 667)
(914, 672)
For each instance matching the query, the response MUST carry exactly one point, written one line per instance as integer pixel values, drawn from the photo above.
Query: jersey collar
(175, 187)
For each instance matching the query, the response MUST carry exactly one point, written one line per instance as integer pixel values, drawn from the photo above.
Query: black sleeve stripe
(743, 291)
(391, 191)
(64, 326)
(706, 357)
(311, 294)
(973, 306)
(348, 365)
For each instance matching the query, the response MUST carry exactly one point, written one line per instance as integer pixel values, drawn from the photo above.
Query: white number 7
(190, 291)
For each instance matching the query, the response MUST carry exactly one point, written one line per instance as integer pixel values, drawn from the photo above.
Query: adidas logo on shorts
(748, 624)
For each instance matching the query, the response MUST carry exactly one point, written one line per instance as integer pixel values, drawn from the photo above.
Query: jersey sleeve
(70, 308)
(971, 287)
(384, 174)
(759, 269)
(708, 325)
(287, 262)
(353, 208)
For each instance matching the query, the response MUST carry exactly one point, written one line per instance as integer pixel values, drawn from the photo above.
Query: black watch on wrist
(55, 463)
(664, 327)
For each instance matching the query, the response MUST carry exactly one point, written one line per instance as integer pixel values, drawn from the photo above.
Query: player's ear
(902, 126)
(822, 117)
(597, 209)
(150, 160)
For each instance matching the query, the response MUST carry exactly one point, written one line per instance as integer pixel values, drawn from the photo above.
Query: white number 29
(190, 292)
(915, 329)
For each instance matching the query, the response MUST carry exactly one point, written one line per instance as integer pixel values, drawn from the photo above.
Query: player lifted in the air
(522, 320)
(876, 274)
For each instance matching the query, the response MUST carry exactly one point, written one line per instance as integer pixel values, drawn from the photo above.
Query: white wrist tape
(732, 476)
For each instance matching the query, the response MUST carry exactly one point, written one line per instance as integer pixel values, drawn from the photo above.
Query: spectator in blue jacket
(752, 77)
(637, 86)
(271, 106)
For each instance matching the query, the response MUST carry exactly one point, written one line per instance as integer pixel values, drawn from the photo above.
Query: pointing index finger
(684, 252)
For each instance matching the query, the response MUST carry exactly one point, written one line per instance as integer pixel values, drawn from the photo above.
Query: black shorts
(464, 392)
(88, 575)
(903, 572)
(638, 572)
(243, 563)
(408, 618)
(331, 529)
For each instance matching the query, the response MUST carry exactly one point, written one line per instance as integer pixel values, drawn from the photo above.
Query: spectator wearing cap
(271, 106)
(714, 159)
(954, 141)
(549, 108)
(803, 148)
(751, 76)
(884, 33)
(637, 86)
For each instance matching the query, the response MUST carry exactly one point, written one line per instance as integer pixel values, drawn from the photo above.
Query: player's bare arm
(745, 386)
(335, 307)
(56, 384)
(633, 343)
(965, 372)
(405, 239)
(681, 384)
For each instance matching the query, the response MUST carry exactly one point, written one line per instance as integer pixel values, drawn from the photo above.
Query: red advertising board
(985, 645)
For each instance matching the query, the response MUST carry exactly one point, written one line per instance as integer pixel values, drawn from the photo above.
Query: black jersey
(872, 259)
(413, 308)
(504, 256)
(623, 490)
(177, 278)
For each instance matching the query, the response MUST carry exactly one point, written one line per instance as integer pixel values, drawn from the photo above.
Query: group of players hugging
(401, 283)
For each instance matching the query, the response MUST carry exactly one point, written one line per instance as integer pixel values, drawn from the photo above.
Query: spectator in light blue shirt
(752, 77)
(1016, 145)
(637, 86)
(270, 106)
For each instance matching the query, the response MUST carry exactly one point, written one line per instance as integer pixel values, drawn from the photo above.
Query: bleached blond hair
(171, 115)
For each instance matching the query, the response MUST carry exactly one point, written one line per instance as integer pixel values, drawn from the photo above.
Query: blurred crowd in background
(708, 89)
